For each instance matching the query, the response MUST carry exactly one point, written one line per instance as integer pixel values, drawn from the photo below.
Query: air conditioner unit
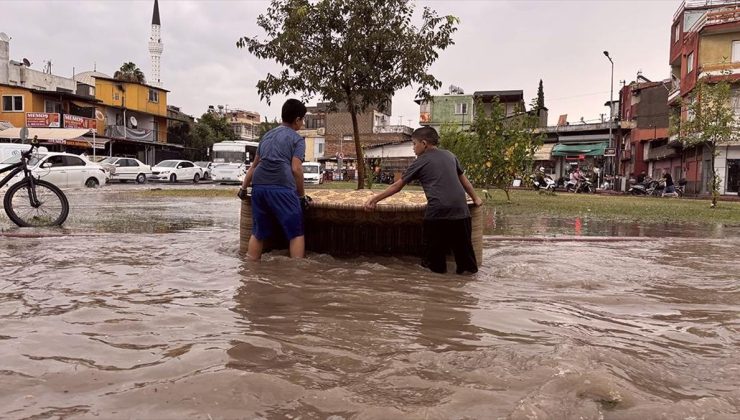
(320, 131)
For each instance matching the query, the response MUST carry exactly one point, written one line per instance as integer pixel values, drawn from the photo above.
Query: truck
(231, 160)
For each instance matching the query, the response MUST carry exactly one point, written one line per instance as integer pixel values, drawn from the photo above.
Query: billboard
(42, 120)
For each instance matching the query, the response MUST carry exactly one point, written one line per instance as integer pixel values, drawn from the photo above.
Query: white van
(14, 150)
(312, 173)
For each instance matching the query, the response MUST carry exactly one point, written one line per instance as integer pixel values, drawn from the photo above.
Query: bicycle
(32, 202)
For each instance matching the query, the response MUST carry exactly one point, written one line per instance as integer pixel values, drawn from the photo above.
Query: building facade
(644, 145)
(705, 43)
(457, 108)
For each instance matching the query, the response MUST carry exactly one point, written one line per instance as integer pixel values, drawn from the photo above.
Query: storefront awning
(586, 149)
(544, 152)
(45, 134)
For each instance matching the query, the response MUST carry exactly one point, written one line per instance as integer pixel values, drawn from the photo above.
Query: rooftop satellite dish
(26, 62)
(4, 37)
(133, 121)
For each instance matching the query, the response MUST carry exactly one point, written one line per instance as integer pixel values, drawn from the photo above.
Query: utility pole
(611, 115)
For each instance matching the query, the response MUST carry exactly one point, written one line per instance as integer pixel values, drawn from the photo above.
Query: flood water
(143, 308)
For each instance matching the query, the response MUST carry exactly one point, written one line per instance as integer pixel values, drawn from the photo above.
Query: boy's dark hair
(292, 109)
(427, 134)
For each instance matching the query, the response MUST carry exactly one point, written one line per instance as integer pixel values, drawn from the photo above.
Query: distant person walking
(447, 223)
(276, 177)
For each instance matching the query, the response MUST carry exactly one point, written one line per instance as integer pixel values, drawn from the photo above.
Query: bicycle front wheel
(52, 210)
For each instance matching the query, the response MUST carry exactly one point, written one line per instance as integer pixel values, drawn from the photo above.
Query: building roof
(133, 83)
(88, 77)
(503, 95)
(155, 14)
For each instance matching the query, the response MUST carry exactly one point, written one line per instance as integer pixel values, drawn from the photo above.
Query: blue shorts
(276, 208)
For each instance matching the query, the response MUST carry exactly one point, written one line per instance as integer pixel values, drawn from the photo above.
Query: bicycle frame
(19, 167)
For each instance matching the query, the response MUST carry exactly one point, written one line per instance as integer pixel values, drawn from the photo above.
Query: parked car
(176, 170)
(125, 169)
(312, 173)
(64, 170)
(206, 167)
(226, 173)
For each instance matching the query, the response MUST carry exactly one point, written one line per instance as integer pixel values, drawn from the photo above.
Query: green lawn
(529, 203)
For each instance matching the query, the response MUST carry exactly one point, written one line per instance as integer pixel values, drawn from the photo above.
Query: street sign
(610, 151)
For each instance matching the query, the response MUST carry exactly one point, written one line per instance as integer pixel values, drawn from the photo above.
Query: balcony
(662, 152)
(720, 69)
(393, 129)
(122, 132)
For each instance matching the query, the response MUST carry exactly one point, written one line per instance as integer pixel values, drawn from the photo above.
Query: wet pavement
(142, 308)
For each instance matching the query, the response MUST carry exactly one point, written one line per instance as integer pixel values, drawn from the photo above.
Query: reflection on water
(118, 324)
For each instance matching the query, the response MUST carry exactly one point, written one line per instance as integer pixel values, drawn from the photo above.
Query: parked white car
(206, 167)
(64, 170)
(176, 170)
(225, 173)
(125, 169)
(312, 173)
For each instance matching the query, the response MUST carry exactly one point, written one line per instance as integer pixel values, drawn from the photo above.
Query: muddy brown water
(144, 309)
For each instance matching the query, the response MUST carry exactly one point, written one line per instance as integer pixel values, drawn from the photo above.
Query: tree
(354, 54)
(129, 72)
(711, 122)
(540, 97)
(497, 149)
(210, 128)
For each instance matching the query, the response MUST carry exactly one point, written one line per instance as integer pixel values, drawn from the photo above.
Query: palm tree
(129, 72)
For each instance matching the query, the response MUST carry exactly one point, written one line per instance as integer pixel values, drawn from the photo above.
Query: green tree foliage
(210, 128)
(497, 149)
(129, 72)
(711, 122)
(353, 54)
(540, 97)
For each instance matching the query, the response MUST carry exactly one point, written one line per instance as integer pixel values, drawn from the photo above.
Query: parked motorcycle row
(654, 188)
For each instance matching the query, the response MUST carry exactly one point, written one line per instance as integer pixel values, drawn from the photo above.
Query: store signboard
(42, 120)
(75, 121)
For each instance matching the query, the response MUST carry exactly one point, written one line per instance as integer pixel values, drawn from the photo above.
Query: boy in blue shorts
(276, 177)
(447, 223)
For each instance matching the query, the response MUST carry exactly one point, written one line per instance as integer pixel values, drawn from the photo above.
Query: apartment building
(705, 43)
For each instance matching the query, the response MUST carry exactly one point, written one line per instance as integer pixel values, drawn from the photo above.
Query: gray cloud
(500, 45)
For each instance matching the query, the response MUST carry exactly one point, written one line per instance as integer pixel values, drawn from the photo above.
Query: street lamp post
(611, 115)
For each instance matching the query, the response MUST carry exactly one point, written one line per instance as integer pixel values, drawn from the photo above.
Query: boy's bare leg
(297, 247)
(254, 248)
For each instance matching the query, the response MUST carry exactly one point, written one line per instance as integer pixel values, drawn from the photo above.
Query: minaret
(155, 47)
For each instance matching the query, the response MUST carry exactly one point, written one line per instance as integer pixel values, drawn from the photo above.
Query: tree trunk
(360, 162)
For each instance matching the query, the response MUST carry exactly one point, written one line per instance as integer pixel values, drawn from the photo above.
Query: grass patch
(531, 203)
(615, 207)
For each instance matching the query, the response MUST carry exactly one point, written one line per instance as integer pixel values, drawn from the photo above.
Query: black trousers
(441, 236)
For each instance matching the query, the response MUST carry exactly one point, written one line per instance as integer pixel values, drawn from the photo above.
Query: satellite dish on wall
(133, 121)
(4, 37)
(99, 115)
(26, 62)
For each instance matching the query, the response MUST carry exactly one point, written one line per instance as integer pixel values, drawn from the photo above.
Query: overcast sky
(500, 45)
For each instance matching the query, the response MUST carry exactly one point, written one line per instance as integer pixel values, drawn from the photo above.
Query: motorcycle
(544, 183)
(585, 186)
(643, 188)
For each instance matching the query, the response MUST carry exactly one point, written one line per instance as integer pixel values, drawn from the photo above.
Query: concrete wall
(717, 48)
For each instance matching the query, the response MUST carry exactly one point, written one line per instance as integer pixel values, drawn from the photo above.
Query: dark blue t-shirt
(277, 149)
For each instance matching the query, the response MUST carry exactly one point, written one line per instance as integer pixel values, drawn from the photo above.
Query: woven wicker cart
(337, 224)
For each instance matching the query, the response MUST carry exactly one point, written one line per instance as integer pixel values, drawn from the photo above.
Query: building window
(735, 51)
(12, 103)
(461, 108)
(690, 62)
(153, 96)
(52, 107)
(676, 33)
